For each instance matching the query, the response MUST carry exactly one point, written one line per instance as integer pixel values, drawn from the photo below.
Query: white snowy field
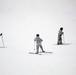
(17, 61)
(21, 20)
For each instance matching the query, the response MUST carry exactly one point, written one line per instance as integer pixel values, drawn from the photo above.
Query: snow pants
(59, 40)
(37, 47)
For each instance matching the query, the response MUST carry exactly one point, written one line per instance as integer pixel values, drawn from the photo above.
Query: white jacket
(38, 40)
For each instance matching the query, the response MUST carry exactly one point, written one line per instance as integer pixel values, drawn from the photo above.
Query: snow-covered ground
(21, 20)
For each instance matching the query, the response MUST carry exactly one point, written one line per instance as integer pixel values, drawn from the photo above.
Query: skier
(60, 33)
(38, 41)
(1, 34)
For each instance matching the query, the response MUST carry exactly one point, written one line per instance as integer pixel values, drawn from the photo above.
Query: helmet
(61, 28)
(37, 35)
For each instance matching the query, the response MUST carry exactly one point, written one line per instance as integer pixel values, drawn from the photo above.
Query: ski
(40, 53)
(63, 44)
(45, 52)
(34, 53)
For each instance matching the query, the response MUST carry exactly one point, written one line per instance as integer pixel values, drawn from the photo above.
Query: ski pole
(2, 39)
(63, 39)
(34, 45)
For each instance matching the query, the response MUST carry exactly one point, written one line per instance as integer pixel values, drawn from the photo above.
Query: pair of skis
(40, 53)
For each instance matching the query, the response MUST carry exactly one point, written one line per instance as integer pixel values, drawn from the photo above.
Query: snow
(21, 20)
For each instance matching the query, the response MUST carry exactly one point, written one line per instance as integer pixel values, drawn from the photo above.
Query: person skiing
(38, 41)
(1, 34)
(60, 33)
